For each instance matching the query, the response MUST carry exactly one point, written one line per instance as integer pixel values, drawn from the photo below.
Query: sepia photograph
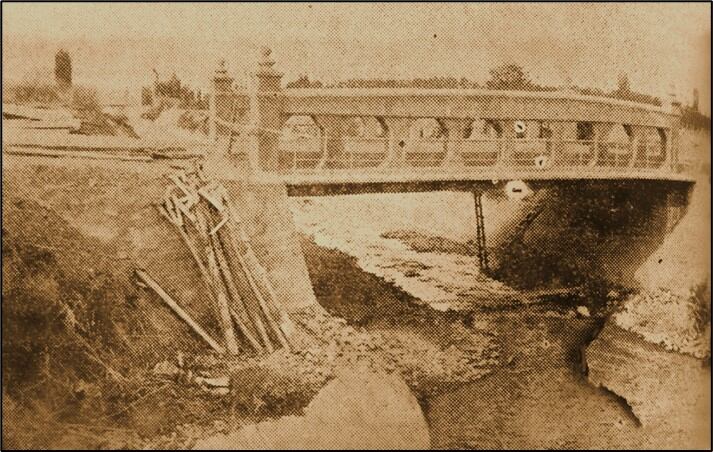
(356, 225)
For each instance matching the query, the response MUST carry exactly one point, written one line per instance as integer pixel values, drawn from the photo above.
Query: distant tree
(63, 69)
(509, 76)
(303, 81)
(174, 86)
(146, 96)
(426, 83)
(174, 89)
(624, 92)
(694, 119)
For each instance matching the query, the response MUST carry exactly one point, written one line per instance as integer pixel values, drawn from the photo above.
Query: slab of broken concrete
(361, 408)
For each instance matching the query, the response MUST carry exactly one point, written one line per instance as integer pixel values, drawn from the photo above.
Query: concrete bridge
(605, 173)
(410, 139)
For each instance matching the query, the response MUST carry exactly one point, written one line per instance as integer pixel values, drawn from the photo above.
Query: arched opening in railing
(576, 144)
(300, 144)
(532, 144)
(616, 146)
(426, 145)
(365, 143)
(650, 148)
(483, 144)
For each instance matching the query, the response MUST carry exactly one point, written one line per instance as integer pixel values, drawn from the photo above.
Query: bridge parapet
(440, 130)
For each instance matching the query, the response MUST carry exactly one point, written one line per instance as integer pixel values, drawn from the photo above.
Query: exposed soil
(95, 122)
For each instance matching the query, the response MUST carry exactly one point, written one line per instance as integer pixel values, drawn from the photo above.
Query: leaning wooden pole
(251, 263)
(237, 283)
(251, 297)
(238, 300)
(179, 311)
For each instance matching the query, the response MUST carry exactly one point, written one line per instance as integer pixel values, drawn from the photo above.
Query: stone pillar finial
(220, 98)
(265, 57)
(222, 81)
(265, 65)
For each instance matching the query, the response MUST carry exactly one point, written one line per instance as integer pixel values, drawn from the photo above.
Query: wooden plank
(258, 291)
(229, 290)
(227, 274)
(224, 311)
(221, 298)
(217, 268)
(179, 311)
(35, 152)
(211, 284)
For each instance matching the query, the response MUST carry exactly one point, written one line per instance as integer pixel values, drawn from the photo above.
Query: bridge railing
(309, 154)
(647, 135)
(477, 152)
(301, 153)
(576, 153)
(424, 152)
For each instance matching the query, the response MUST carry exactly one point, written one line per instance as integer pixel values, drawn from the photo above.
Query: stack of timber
(244, 299)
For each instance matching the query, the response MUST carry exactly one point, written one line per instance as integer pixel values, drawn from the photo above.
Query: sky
(662, 47)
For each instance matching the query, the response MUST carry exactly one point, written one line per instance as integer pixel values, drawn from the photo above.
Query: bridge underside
(343, 183)
(580, 232)
(565, 233)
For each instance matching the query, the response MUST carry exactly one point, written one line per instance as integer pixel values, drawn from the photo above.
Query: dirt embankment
(79, 338)
(674, 306)
(97, 122)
